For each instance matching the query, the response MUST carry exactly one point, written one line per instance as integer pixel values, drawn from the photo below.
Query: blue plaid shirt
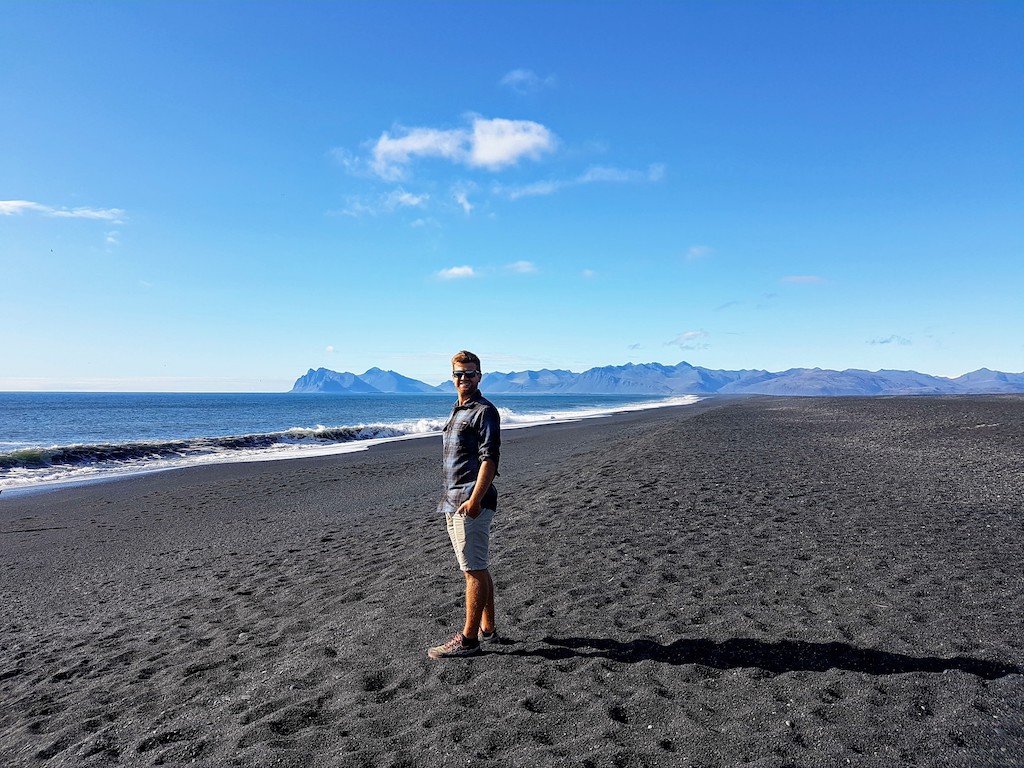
(472, 435)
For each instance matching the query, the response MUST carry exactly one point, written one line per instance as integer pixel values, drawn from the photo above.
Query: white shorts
(471, 539)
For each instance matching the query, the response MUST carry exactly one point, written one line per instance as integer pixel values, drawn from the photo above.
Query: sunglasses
(460, 374)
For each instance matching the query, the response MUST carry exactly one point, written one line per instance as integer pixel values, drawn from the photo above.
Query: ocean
(57, 438)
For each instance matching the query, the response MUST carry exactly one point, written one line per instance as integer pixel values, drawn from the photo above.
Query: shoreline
(760, 581)
(150, 460)
(326, 453)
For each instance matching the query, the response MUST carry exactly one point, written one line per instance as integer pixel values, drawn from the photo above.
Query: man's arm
(471, 506)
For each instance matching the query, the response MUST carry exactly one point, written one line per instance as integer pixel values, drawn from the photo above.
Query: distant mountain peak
(374, 381)
(680, 379)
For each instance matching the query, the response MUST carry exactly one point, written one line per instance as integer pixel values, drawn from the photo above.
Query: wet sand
(755, 582)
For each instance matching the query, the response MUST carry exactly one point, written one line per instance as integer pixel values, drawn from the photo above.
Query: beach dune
(751, 582)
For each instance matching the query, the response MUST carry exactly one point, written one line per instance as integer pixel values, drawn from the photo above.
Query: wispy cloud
(522, 267)
(690, 340)
(536, 189)
(804, 279)
(462, 198)
(698, 252)
(899, 340)
(599, 173)
(656, 172)
(588, 274)
(524, 81)
(593, 175)
(457, 273)
(19, 207)
(388, 202)
(399, 198)
(488, 143)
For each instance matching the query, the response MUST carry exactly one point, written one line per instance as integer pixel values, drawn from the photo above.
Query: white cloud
(329, 349)
(697, 252)
(526, 81)
(399, 198)
(108, 214)
(489, 143)
(390, 155)
(113, 238)
(523, 267)
(498, 143)
(690, 340)
(588, 274)
(457, 273)
(18, 207)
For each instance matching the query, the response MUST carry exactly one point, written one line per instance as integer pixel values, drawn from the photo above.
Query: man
(472, 441)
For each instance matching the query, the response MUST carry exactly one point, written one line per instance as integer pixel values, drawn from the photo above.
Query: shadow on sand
(776, 658)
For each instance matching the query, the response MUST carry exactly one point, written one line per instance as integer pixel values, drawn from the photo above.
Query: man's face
(465, 384)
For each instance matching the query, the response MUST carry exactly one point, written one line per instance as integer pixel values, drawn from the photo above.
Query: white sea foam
(511, 419)
(59, 466)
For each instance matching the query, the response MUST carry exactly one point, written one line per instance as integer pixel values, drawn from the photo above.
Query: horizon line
(83, 388)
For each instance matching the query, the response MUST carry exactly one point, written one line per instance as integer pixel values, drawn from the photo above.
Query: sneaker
(454, 648)
(487, 637)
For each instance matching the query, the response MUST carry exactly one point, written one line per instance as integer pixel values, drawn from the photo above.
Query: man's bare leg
(479, 603)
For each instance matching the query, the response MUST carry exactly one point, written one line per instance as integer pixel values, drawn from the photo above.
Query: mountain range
(681, 379)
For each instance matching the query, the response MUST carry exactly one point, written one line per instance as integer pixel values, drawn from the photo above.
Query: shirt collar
(475, 398)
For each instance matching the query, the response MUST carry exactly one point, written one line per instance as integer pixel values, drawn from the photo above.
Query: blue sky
(217, 196)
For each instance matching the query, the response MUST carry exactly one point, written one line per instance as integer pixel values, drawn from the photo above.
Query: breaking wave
(32, 466)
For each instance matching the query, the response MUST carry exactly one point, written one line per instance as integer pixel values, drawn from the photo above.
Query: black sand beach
(762, 582)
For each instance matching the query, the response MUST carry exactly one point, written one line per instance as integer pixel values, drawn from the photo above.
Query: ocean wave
(121, 453)
(26, 466)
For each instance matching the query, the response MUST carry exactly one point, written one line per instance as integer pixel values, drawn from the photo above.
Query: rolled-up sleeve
(490, 436)
(471, 437)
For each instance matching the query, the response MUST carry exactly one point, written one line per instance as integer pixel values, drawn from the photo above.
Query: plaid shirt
(472, 435)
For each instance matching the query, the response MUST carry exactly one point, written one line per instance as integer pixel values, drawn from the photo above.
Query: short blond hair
(465, 356)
